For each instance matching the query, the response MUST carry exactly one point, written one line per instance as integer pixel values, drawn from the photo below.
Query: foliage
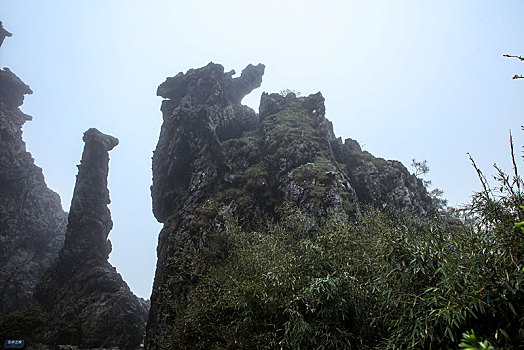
(499, 210)
(285, 92)
(388, 279)
(421, 168)
(470, 342)
(23, 324)
(35, 325)
(289, 133)
(439, 202)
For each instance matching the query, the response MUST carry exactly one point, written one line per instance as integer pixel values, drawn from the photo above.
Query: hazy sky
(407, 79)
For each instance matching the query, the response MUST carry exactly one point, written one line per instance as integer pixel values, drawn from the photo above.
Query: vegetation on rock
(228, 183)
(391, 279)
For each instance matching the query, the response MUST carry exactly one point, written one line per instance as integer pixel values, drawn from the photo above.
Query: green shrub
(23, 324)
(390, 280)
(470, 342)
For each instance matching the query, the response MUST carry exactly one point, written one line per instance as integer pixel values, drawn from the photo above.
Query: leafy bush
(391, 280)
(23, 324)
(470, 342)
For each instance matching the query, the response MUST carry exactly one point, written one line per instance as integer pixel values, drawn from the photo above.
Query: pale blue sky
(407, 79)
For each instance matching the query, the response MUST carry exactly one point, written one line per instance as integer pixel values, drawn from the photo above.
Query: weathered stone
(214, 152)
(197, 112)
(32, 222)
(189, 162)
(90, 305)
(353, 145)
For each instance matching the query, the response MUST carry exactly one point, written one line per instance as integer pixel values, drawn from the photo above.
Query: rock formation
(89, 303)
(215, 152)
(32, 222)
(3, 33)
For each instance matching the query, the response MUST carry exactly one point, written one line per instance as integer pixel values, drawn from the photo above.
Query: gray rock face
(214, 152)
(190, 162)
(89, 302)
(198, 103)
(378, 181)
(32, 222)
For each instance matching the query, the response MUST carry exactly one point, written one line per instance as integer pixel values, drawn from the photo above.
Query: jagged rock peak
(12, 91)
(32, 222)
(204, 103)
(3, 33)
(201, 82)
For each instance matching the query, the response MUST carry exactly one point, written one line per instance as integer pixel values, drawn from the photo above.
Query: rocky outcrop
(213, 153)
(198, 103)
(3, 33)
(32, 222)
(90, 305)
(378, 181)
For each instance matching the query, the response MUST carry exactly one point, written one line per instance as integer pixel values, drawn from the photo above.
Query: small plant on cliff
(419, 170)
(285, 92)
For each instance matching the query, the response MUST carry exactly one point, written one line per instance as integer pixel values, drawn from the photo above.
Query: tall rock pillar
(90, 304)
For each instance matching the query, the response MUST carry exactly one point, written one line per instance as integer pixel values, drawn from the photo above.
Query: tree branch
(519, 57)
